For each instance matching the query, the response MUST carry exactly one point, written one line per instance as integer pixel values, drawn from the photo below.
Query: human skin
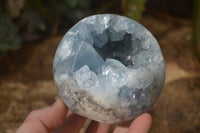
(57, 118)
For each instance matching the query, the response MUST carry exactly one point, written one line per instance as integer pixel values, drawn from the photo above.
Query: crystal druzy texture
(109, 68)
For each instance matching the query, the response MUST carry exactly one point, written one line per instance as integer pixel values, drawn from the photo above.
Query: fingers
(122, 128)
(50, 118)
(72, 124)
(96, 127)
(44, 120)
(142, 124)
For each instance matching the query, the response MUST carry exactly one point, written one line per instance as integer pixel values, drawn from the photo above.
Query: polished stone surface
(109, 68)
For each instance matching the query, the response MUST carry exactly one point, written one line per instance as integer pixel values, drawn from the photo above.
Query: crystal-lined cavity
(109, 68)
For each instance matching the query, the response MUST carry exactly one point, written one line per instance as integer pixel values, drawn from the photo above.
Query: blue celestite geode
(109, 68)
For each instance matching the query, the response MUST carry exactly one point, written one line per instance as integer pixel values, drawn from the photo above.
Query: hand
(53, 118)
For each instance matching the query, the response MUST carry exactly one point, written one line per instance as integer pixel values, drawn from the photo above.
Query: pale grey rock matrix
(109, 68)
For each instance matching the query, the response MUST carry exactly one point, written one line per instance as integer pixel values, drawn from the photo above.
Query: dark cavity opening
(122, 50)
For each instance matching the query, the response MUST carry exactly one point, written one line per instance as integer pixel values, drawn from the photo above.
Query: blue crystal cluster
(109, 68)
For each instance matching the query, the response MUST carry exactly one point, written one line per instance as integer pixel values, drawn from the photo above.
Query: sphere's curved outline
(76, 98)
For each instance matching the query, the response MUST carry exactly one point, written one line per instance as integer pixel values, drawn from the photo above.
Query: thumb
(44, 120)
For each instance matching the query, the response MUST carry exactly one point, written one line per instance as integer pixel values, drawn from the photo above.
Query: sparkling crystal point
(109, 68)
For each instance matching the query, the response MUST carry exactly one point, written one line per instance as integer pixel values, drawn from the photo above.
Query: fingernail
(56, 99)
(59, 101)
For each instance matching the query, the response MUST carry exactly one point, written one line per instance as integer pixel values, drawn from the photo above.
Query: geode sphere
(109, 68)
